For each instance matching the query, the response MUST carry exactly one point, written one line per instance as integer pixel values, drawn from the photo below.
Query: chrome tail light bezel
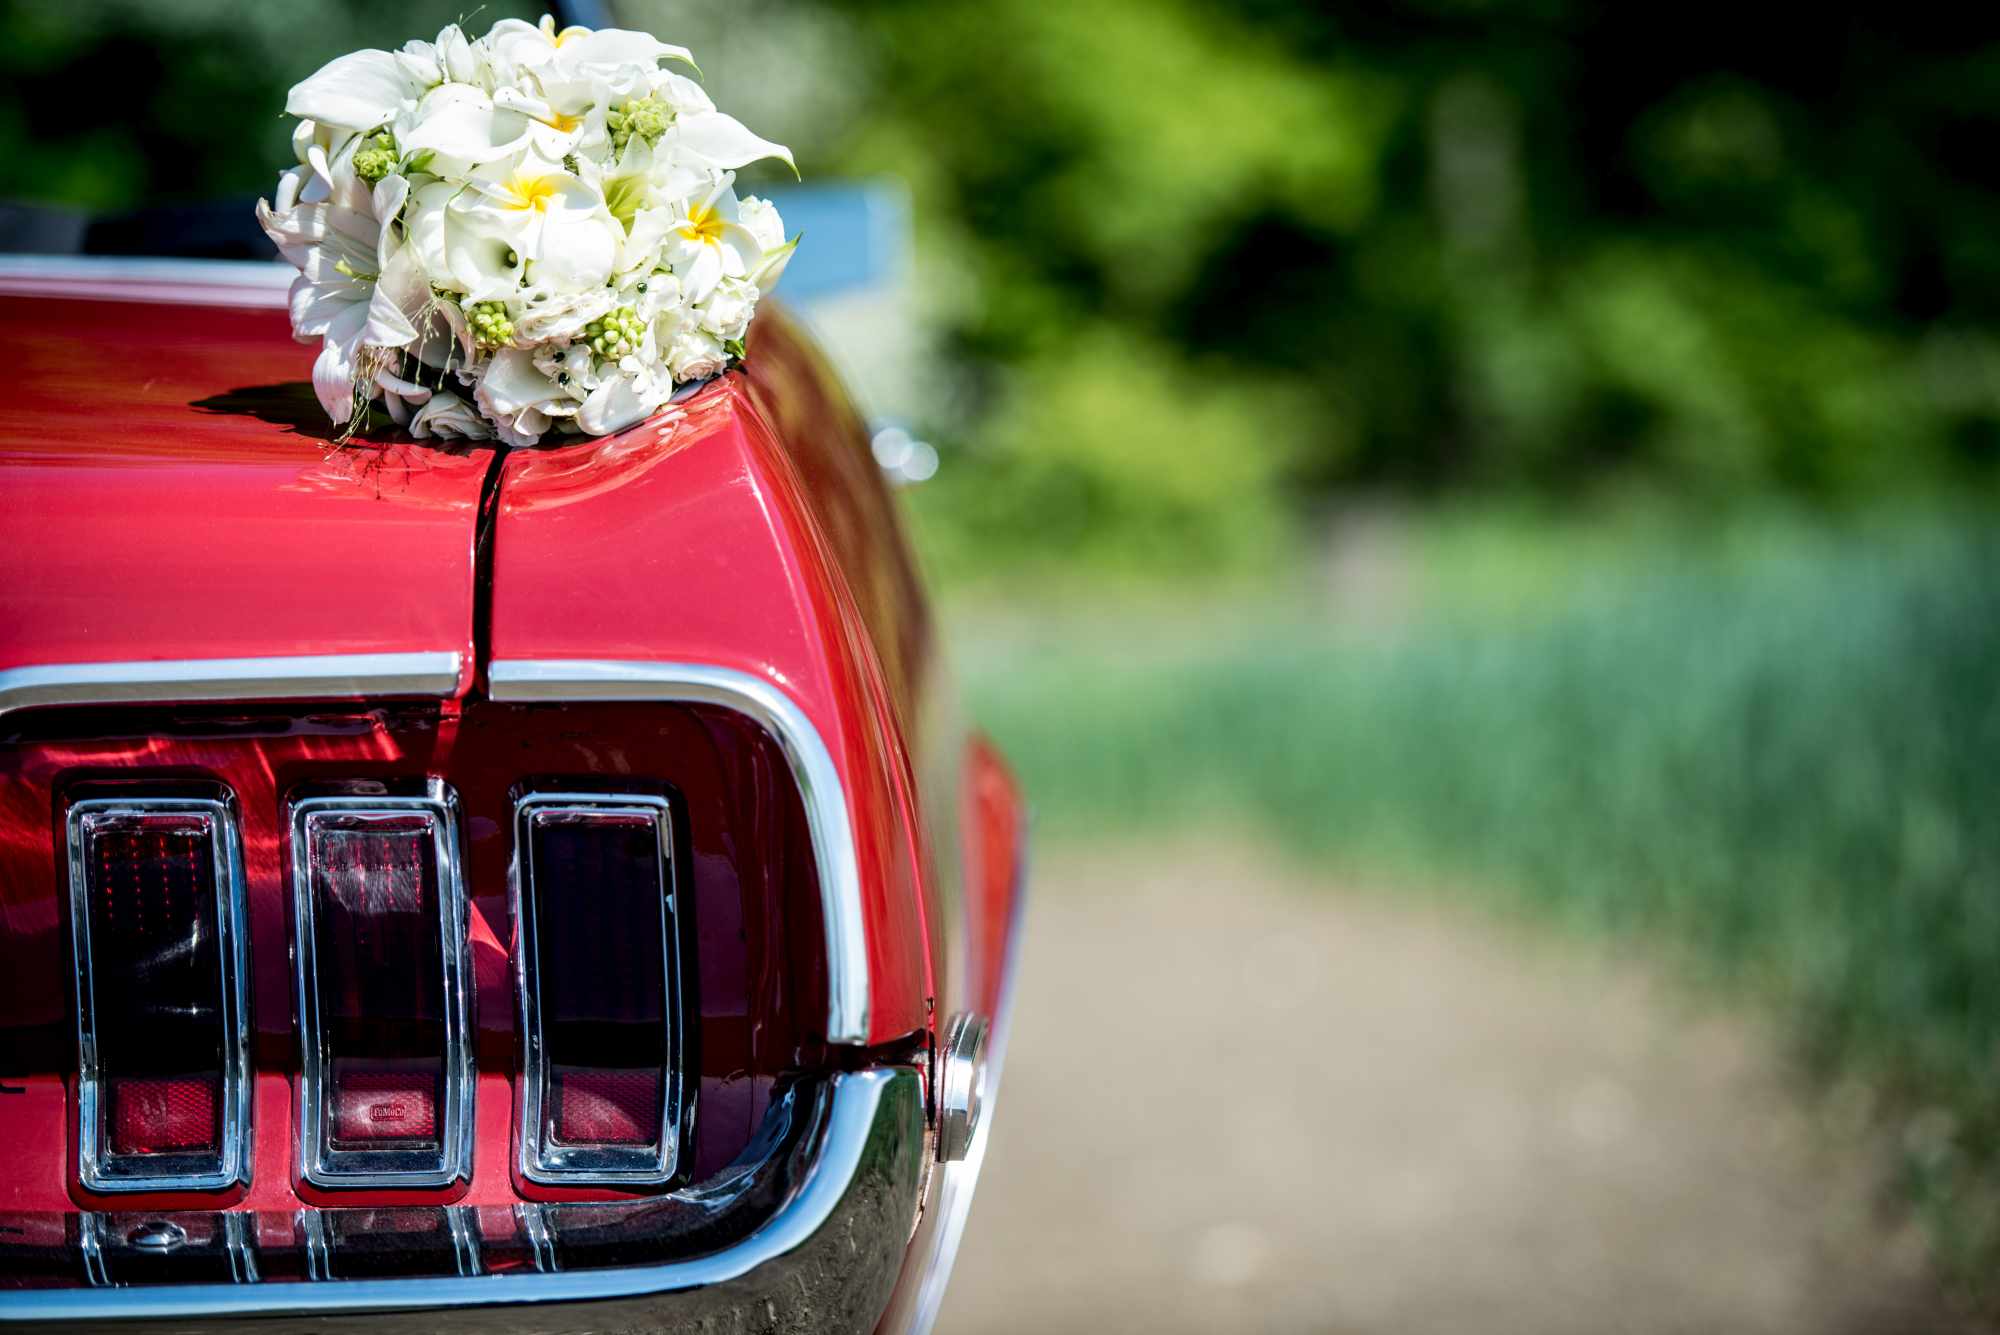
(595, 1165)
(319, 1162)
(230, 1165)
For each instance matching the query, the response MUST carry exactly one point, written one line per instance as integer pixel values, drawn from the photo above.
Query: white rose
(693, 355)
(759, 217)
(727, 312)
(448, 417)
(621, 401)
(570, 365)
(517, 398)
(552, 313)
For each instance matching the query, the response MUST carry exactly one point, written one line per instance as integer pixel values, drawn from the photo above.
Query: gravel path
(1239, 1100)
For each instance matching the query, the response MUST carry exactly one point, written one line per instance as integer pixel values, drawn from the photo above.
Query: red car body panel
(167, 498)
(699, 539)
(163, 497)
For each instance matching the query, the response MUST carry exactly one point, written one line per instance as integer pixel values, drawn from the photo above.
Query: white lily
(358, 289)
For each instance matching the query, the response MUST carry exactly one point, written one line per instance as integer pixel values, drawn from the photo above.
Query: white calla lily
(358, 91)
(712, 139)
(462, 125)
(707, 244)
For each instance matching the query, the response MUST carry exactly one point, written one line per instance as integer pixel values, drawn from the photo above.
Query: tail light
(599, 979)
(386, 1075)
(156, 915)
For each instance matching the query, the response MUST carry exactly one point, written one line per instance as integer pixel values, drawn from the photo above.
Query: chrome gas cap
(961, 1084)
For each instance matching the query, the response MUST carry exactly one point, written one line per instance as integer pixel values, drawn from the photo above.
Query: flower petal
(613, 406)
(721, 141)
(460, 122)
(357, 91)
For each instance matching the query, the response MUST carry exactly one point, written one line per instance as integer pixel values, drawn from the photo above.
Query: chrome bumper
(811, 1234)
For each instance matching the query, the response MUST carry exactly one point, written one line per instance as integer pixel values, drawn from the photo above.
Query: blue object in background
(857, 236)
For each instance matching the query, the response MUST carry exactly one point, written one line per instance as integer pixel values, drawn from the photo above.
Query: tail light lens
(599, 979)
(386, 1077)
(156, 914)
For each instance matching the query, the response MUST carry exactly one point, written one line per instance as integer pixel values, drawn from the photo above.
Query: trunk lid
(170, 489)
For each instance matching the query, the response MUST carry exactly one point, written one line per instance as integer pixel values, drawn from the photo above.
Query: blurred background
(1475, 520)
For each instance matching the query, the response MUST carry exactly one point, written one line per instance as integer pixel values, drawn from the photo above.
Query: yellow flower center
(559, 120)
(531, 192)
(703, 225)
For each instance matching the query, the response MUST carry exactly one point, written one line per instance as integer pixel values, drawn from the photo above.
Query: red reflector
(377, 1104)
(170, 1116)
(607, 1107)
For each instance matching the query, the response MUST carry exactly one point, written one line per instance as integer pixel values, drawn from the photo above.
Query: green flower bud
(647, 117)
(376, 158)
(491, 328)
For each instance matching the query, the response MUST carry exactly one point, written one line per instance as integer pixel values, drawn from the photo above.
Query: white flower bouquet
(535, 231)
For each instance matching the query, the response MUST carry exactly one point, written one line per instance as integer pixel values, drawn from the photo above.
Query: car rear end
(474, 891)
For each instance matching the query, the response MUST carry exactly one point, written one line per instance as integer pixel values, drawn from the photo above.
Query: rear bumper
(816, 1230)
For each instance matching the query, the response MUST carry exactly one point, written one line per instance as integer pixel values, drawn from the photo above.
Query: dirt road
(1240, 1100)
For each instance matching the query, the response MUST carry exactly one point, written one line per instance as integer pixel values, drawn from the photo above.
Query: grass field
(1771, 751)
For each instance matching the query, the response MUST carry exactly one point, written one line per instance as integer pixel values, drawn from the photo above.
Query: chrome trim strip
(319, 1251)
(90, 1242)
(232, 1161)
(464, 1238)
(556, 1165)
(864, 1174)
(319, 1163)
(820, 789)
(962, 1178)
(260, 283)
(534, 1222)
(242, 1253)
(175, 680)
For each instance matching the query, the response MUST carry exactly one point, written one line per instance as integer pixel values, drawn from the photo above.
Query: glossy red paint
(756, 983)
(702, 538)
(191, 507)
(995, 826)
(177, 497)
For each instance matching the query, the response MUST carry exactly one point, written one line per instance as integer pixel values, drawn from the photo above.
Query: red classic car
(546, 889)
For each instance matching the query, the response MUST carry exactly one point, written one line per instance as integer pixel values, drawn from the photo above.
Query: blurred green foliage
(115, 103)
(1765, 748)
(1194, 266)
(1556, 247)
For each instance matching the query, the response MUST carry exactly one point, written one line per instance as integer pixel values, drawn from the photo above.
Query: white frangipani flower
(707, 244)
(530, 231)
